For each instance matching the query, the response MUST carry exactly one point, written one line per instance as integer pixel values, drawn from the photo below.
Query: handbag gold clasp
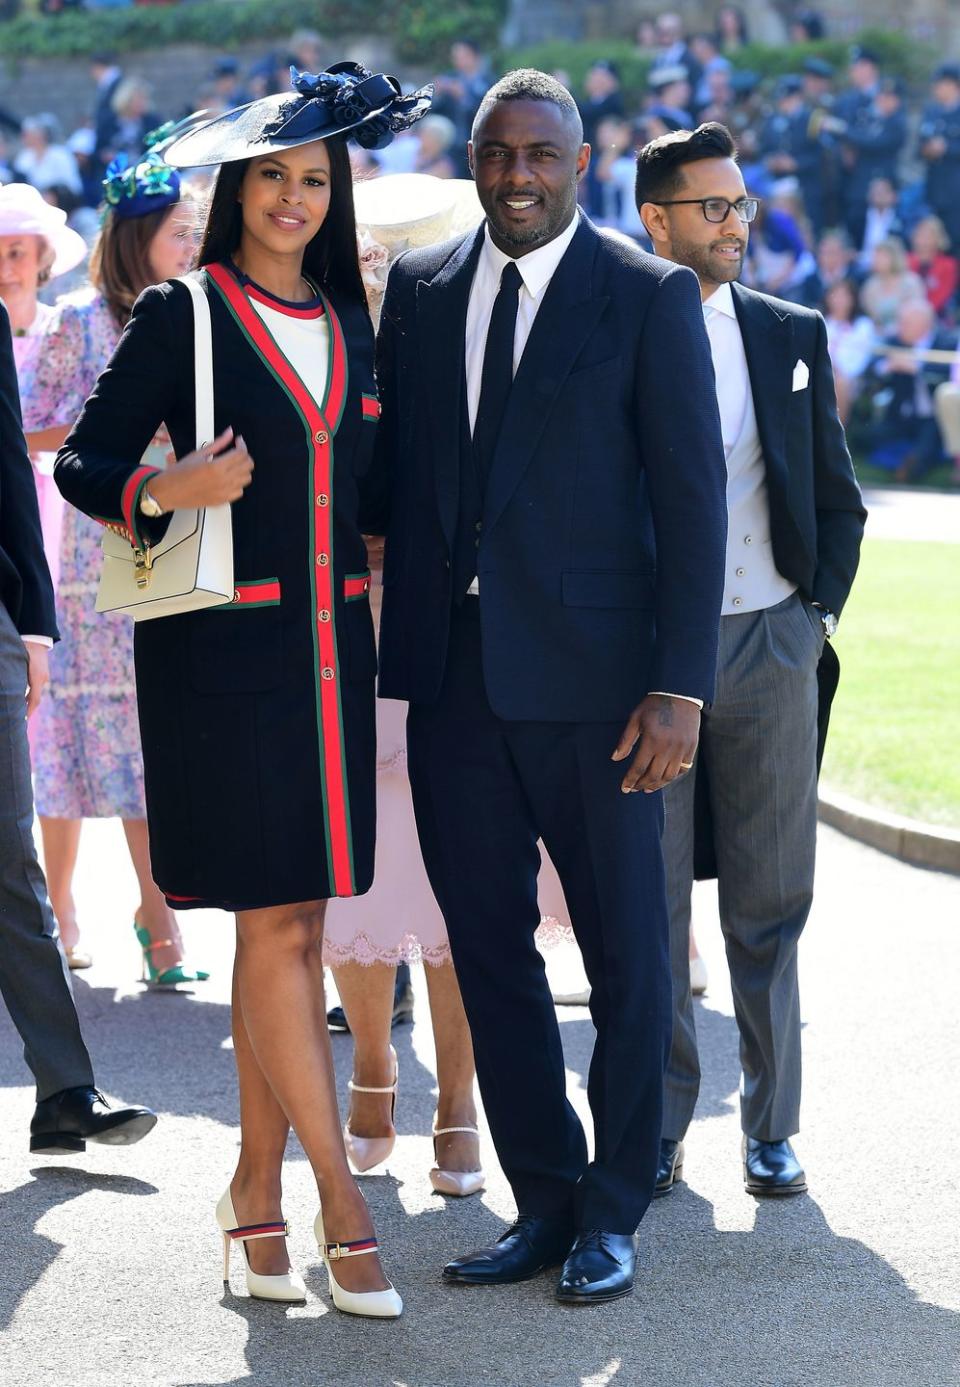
(142, 565)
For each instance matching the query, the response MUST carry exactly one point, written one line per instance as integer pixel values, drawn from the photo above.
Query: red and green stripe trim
(370, 407)
(255, 592)
(356, 586)
(130, 500)
(320, 424)
(258, 1230)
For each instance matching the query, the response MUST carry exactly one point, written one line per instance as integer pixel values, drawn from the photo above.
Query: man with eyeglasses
(795, 522)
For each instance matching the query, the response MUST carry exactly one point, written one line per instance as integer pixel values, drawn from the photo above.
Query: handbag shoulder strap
(202, 359)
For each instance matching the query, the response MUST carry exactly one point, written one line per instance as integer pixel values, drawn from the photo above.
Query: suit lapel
(768, 345)
(563, 325)
(442, 319)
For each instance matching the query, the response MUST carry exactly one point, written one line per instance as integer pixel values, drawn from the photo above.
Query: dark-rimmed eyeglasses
(717, 209)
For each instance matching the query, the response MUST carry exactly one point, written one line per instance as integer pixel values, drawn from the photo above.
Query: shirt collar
(722, 300)
(537, 267)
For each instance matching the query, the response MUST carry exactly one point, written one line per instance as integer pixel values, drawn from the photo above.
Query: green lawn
(895, 729)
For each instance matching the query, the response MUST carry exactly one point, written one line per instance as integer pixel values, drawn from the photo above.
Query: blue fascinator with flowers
(148, 185)
(347, 99)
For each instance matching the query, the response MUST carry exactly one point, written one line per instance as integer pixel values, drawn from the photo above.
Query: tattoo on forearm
(665, 715)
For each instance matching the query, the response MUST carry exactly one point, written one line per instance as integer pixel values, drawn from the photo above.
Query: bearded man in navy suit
(549, 472)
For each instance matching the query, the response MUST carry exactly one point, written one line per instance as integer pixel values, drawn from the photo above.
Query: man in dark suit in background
(550, 466)
(795, 521)
(34, 979)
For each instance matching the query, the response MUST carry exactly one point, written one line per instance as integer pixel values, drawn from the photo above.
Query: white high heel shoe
(364, 1153)
(286, 1287)
(376, 1305)
(458, 1183)
(698, 976)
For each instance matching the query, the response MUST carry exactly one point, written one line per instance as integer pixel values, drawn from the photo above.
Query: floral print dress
(87, 759)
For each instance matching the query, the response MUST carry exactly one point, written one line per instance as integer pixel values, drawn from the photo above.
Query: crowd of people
(859, 183)
(501, 760)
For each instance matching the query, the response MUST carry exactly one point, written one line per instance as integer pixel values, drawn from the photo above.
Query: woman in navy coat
(258, 717)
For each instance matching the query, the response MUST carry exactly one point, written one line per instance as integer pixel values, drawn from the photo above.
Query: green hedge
(900, 56)
(421, 33)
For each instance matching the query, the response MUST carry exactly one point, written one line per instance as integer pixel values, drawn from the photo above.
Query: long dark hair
(330, 259)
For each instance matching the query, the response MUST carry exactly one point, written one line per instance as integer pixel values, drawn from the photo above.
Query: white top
(305, 342)
(752, 581)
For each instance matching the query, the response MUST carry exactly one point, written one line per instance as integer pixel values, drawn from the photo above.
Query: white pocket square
(801, 376)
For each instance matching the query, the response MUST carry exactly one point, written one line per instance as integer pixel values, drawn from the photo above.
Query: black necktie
(497, 377)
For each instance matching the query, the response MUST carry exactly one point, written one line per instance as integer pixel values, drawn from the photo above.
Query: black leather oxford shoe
(669, 1168)
(524, 1250)
(66, 1121)
(771, 1168)
(599, 1267)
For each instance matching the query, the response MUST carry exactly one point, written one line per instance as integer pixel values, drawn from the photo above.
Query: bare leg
(279, 978)
(456, 1106)
(255, 1188)
(61, 843)
(153, 913)
(366, 991)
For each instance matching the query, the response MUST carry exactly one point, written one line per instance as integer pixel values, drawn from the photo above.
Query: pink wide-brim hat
(23, 212)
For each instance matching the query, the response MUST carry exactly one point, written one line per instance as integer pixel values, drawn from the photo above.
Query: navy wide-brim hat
(347, 99)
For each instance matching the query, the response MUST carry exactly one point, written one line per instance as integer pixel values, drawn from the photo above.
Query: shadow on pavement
(26, 1253)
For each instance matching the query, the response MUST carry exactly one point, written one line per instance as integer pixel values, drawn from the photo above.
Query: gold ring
(685, 765)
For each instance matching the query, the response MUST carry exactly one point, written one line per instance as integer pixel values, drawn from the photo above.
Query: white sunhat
(23, 212)
(402, 210)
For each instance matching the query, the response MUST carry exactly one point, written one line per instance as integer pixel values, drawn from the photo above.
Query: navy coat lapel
(442, 314)
(562, 327)
(768, 345)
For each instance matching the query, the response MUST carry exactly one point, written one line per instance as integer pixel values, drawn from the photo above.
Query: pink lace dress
(398, 919)
(86, 736)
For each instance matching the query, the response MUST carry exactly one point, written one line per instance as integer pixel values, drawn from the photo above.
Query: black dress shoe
(402, 1003)
(599, 1267)
(669, 1168)
(770, 1168)
(66, 1121)
(524, 1250)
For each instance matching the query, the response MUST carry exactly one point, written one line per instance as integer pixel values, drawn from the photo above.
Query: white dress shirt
(751, 580)
(537, 268)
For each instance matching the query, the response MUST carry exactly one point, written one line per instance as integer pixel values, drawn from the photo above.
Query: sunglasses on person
(717, 209)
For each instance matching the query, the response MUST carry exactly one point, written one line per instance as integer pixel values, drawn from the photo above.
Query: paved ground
(109, 1263)
(900, 514)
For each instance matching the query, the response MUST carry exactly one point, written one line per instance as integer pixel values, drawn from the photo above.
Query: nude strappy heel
(286, 1287)
(458, 1183)
(364, 1153)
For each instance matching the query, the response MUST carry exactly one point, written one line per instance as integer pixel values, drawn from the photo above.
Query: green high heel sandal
(170, 977)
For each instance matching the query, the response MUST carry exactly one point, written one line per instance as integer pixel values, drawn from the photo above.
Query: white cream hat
(23, 212)
(405, 210)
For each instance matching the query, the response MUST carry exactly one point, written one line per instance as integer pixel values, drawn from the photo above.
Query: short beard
(699, 259)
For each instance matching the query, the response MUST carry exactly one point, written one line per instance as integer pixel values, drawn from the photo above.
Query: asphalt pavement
(110, 1262)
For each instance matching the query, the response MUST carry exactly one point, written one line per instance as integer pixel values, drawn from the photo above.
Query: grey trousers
(34, 978)
(759, 743)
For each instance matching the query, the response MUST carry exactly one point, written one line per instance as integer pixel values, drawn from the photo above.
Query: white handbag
(192, 566)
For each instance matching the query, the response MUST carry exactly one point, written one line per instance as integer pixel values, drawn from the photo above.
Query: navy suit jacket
(816, 510)
(25, 587)
(601, 553)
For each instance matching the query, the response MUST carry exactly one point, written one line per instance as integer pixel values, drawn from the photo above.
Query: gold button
(323, 560)
(321, 436)
(236, 594)
(326, 672)
(324, 615)
(323, 500)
